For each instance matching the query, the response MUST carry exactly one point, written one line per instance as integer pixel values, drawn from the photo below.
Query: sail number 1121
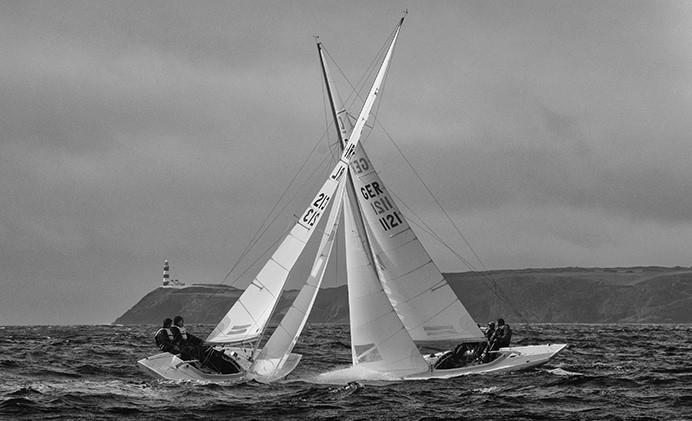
(390, 220)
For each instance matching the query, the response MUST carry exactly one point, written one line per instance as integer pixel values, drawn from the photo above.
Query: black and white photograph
(346, 210)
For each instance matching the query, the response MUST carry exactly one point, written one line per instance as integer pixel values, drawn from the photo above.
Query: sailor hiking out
(165, 339)
(193, 348)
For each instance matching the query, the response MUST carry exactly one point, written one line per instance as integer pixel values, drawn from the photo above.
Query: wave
(609, 371)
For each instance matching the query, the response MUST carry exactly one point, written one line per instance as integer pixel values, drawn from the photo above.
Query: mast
(379, 340)
(340, 127)
(343, 127)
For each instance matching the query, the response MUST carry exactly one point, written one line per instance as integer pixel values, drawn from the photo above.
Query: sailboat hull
(170, 367)
(510, 359)
(514, 358)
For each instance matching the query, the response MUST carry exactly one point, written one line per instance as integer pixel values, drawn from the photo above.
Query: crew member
(490, 331)
(190, 345)
(502, 336)
(165, 339)
(193, 348)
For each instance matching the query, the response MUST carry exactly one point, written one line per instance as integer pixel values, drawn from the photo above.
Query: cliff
(566, 295)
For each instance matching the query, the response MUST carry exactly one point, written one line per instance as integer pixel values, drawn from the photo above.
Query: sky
(553, 133)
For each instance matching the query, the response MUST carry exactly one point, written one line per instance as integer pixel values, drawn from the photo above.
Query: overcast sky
(554, 133)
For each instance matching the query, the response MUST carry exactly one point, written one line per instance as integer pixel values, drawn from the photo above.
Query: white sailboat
(398, 298)
(239, 332)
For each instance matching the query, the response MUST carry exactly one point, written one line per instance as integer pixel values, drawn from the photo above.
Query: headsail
(277, 349)
(249, 315)
(379, 341)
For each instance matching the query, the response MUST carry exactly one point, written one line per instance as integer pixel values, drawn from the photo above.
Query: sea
(608, 372)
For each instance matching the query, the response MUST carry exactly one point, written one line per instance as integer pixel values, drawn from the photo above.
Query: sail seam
(402, 245)
(411, 271)
(408, 228)
(279, 264)
(436, 314)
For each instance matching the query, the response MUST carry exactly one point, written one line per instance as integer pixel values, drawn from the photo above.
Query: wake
(351, 375)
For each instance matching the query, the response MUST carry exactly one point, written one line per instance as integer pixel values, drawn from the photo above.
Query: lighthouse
(166, 274)
(166, 280)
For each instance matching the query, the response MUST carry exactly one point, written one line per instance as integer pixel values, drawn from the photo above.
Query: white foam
(350, 374)
(486, 390)
(561, 372)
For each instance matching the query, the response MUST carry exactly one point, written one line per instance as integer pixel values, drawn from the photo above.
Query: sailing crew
(189, 344)
(484, 347)
(490, 331)
(193, 348)
(502, 335)
(165, 339)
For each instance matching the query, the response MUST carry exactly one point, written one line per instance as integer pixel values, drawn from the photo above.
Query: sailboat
(398, 298)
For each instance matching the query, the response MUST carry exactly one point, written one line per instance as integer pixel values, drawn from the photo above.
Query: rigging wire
(489, 281)
(355, 91)
(269, 220)
(280, 237)
(494, 287)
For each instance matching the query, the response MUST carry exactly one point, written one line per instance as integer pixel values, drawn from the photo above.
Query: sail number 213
(312, 214)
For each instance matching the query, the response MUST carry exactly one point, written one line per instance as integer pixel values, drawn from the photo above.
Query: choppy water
(629, 372)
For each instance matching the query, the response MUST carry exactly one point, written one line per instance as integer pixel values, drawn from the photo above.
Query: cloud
(132, 132)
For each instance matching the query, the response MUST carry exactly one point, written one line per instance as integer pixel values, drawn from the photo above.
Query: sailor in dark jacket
(502, 336)
(490, 331)
(194, 348)
(189, 344)
(165, 339)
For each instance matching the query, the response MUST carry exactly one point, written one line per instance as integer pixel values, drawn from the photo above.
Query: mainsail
(277, 349)
(248, 317)
(421, 296)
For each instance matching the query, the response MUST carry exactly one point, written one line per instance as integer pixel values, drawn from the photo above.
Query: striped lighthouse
(166, 274)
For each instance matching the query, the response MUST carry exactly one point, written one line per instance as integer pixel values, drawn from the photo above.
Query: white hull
(170, 367)
(511, 359)
(514, 358)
